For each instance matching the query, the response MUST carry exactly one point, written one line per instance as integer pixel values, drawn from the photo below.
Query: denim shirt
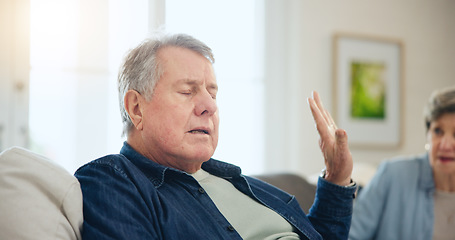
(127, 196)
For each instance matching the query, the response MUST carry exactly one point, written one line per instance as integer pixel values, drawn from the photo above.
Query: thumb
(341, 137)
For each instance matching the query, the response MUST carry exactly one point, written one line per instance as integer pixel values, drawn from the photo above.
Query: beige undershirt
(250, 219)
(444, 215)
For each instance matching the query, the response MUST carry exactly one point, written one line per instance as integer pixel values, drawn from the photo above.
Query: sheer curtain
(76, 50)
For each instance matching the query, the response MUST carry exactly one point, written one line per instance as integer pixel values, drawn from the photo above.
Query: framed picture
(367, 87)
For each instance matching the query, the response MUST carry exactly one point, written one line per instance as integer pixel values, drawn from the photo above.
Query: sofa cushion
(39, 199)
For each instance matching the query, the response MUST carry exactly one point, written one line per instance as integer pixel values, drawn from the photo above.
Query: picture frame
(368, 89)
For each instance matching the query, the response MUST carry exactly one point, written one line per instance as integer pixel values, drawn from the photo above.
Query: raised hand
(333, 143)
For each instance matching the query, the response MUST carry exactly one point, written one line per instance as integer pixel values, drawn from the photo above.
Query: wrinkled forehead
(186, 66)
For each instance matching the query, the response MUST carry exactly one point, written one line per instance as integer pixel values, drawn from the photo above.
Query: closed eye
(213, 91)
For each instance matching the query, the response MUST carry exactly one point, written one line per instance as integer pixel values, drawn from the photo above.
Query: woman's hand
(333, 143)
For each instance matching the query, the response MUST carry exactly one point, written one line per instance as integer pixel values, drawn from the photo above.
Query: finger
(330, 119)
(341, 137)
(321, 107)
(318, 105)
(327, 116)
(315, 111)
(321, 124)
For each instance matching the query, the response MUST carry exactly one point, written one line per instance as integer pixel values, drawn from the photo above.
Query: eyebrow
(193, 82)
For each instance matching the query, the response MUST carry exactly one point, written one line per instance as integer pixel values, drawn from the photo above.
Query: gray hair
(141, 68)
(441, 102)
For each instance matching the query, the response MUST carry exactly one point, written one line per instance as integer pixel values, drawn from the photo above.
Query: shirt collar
(156, 173)
(221, 169)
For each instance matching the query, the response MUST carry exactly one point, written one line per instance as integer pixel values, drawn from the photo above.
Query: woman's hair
(141, 68)
(441, 101)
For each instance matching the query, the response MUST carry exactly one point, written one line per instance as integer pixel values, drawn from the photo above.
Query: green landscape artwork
(368, 90)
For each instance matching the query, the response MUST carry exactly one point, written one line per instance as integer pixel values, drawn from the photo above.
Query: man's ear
(133, 101)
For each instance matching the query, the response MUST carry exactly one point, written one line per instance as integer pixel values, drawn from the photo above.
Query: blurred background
(59, 61)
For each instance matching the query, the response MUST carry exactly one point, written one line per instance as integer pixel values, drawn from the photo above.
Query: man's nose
(205, 104)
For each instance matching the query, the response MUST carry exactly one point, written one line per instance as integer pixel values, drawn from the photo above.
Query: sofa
(42, 200)
(39, 198)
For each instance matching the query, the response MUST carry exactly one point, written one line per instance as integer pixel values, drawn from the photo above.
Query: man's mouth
(199, 131)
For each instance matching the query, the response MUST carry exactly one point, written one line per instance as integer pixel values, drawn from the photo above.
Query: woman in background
(414, 197)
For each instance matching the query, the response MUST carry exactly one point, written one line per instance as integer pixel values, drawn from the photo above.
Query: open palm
(333, 143)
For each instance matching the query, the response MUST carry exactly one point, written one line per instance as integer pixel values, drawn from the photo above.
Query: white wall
(300, 60)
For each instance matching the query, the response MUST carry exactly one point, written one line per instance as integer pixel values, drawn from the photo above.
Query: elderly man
(164, 183)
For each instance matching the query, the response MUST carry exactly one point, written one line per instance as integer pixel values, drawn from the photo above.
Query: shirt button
(230, 228)
(201, 190)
